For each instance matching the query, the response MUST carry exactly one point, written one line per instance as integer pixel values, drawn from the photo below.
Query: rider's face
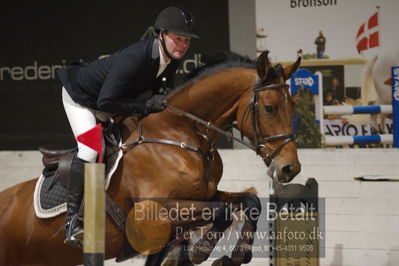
(176, 44)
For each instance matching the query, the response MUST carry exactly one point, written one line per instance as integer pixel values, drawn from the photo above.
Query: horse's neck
(215, 97)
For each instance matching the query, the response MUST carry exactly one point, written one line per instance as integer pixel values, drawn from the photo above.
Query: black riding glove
(164, 91)
(155, 104)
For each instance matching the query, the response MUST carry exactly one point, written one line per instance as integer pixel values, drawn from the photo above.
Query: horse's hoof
(248, 253)
(247, 257)
(176, 257)
(200, 251)
(242, 252)
(223, 261)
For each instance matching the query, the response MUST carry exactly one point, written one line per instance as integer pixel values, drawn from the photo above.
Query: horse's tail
(368, 93)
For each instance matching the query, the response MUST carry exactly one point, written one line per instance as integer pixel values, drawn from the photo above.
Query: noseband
(260, 142)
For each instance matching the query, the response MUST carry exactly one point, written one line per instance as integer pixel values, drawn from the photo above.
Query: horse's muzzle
(285, 173)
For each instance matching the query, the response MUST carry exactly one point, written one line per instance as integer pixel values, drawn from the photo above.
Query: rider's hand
(164, 90)
(155, 104)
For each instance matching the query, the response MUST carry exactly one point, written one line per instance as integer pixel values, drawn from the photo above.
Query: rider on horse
(111, 85)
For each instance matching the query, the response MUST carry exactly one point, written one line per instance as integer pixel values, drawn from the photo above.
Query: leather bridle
(260, 142)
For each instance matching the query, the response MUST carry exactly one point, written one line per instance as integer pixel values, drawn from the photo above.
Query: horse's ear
(291, 69)
(263, 65)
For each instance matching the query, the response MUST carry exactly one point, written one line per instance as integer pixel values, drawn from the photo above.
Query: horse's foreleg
(250, 204)
(200, 213)
(204, 247)
(176, 256)
(175, 218)
(242, 253)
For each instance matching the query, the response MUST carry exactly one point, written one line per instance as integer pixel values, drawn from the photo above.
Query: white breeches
(82, 119)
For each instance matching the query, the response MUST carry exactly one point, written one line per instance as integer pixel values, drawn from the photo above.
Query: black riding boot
(74, 225)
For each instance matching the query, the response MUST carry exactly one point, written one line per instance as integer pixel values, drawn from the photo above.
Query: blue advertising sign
(304, 78)
(395, 105)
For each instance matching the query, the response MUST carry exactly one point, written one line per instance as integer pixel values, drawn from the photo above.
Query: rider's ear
(291, 69)
(263, 65)
(162, 34)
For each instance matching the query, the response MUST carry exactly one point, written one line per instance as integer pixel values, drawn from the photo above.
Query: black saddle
(53, 190)
(57, 164)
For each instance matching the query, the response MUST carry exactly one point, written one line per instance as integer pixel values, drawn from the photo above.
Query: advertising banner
(40, 37)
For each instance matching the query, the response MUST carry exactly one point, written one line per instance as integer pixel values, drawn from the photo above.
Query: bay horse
(254, 95)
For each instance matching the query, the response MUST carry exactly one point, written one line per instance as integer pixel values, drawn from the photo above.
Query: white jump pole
(353, 109)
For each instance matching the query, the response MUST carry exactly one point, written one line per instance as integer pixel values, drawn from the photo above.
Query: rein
(209, 125)
(253, 106)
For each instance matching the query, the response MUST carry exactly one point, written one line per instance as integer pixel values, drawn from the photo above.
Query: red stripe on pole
(93, 139)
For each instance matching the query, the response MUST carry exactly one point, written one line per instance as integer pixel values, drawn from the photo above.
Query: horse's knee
(222, 219)
(253, 207)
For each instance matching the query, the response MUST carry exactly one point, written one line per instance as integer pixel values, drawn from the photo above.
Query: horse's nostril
(287, 170)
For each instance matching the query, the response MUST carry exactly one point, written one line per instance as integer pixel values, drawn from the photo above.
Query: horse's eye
(269, 109)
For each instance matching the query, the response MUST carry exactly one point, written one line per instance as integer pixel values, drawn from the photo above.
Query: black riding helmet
(177, 20)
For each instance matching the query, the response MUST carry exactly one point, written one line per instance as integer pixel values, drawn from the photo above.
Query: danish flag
(368, 34)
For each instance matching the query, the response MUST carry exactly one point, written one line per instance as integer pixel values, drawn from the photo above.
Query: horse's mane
(218, 62)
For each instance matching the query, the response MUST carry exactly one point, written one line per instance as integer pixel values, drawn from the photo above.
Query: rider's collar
(155, 49)
(162, 59)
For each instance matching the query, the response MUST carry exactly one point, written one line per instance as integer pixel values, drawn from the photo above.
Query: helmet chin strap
(165, 50)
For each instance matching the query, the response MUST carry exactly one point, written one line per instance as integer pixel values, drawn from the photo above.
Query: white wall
(290, 29)
(242, 26)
